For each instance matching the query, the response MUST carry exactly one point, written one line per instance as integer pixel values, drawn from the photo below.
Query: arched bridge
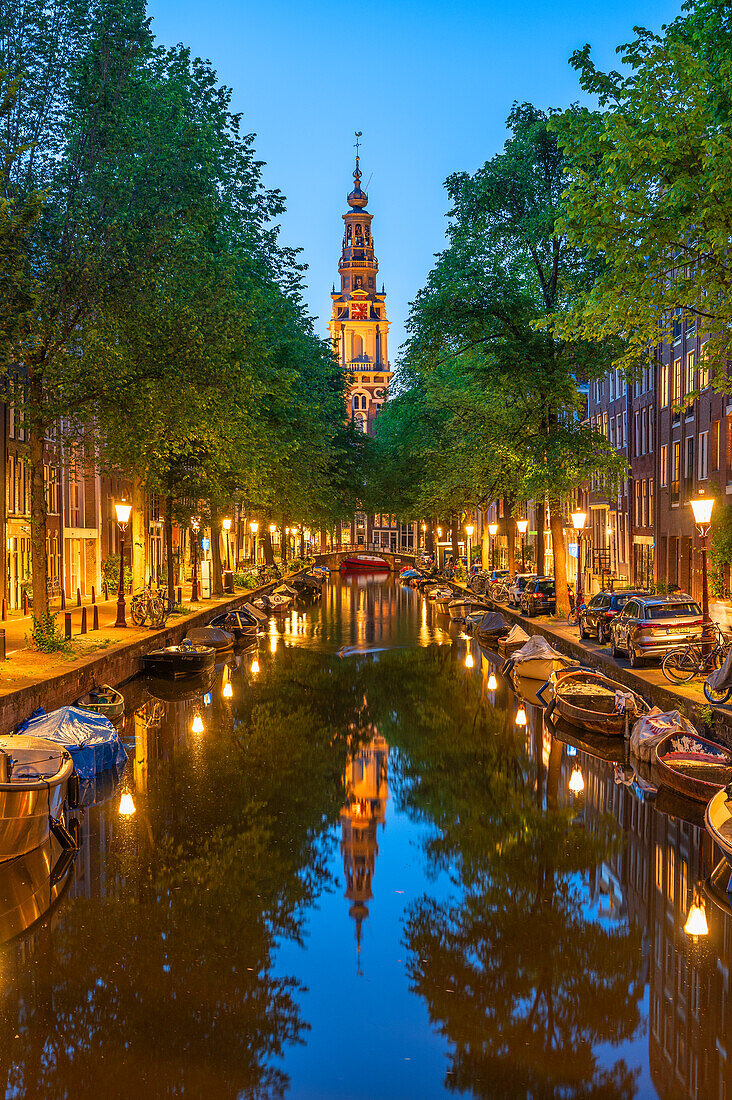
(395, 560)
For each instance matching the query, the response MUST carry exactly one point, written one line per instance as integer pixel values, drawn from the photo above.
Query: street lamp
(424, 536)
(702, 509)
(195, 524)
(254, 527)
(493, 531)
(123, 509)
(469, 528)
(522, 525)
(579, 519)
(226, 524)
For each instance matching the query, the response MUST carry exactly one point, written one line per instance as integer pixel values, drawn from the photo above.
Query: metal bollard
(106, 591)
(83, 620)
(180, 595)
(63, 600)
(2, 644)
(78, 597)
(25, 602)
(94, 596)
(95, 618)
(5, 609)
(67, 625)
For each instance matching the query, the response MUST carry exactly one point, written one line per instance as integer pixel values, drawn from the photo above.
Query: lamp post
(702, 509)
(424, 536)
(227, 527)
(123, 509)
(254, 527)
(195, 524)
(493, 531)
(523, 525)
(469, 528)
(579, 519)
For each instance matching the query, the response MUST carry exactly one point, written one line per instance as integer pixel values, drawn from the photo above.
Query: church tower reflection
(366, 789)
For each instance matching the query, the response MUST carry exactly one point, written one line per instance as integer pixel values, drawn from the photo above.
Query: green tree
(649, 188)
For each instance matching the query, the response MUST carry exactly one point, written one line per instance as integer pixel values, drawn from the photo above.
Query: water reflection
(524, 938)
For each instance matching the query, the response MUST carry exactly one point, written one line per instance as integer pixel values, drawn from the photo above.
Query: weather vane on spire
(359, 133)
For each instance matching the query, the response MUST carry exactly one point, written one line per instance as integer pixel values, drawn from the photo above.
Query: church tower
(358, 326)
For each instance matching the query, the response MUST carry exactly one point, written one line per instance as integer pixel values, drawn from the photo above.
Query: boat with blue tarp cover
(91, 740)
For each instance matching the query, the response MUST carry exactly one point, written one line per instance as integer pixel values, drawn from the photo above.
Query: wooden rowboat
(692, 766)
(591, 701)
(104, 700)
(718, 820)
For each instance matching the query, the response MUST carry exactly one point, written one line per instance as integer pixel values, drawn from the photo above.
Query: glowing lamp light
(197, 724)
(523, 526)
(469, 528)
(123, 509)
(226, 524)
(439, 532)
(254, 526)
(493, 529)
(424, 526)
(492, 682)
(255, 666)
(576, 781)
(469, 660)
(126, 805)
(521, 717)
(696, 922)
(306, 533)
(227, 691)
(579, 519)
(272, 528)
(195, 523)
(702, 509)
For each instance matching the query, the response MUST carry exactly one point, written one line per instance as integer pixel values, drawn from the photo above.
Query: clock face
(359, 311)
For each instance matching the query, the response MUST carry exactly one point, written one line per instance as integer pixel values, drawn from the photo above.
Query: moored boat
(179, 660)
(34, 786)
(514, 640)
(103, 700)
(490, 627)
(589, 700)
(537, 660)
(31, 885)
(718, 820)
(237, 623)
(214, 636)
(90, 739)
(692, 766)
(459, 608)
(365, 563)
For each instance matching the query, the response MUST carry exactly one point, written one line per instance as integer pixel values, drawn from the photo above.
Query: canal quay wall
(650, 682)
(113, 665)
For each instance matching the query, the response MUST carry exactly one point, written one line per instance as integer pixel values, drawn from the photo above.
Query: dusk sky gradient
(430, 84)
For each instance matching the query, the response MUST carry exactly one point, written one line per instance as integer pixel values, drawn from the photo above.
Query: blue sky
(429, 83)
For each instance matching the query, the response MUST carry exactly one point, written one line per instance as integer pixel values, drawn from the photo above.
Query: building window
(704, 377)
(637, 503)
(663, 385)
(703, 456)
(644, 431)
(715, 445)
(677, 385)
(689, 465)
(650, 502)
(689, 376)
(664, 465)
(636, 423)
(676, 471)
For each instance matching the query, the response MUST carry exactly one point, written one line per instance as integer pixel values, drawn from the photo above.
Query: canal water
(361, 878)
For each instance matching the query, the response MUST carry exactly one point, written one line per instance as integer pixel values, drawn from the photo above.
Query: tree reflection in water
(160, 980)
(516, 972)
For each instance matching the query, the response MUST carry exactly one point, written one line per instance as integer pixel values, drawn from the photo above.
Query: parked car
(539, 597)
(601, 610)
(498, 575)
(649, 626)
(516, 587)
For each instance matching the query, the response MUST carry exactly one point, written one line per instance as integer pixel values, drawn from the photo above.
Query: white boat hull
(28, 804)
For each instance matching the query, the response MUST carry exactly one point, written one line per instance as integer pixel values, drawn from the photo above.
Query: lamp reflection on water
(255, 666)
(576, 780)
(492, 682)
(469, 660)
(197, 724)
(696, 922)
(227, 691)
(126, 805)
(521, 716)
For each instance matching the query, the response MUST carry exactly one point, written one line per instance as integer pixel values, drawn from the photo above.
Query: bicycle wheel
(138, 612)
(158, 613)
(681, 665)
(713, 696)
(572, 618)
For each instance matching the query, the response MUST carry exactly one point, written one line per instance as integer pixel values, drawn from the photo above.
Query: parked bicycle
(498, 592)
(267, 573)
(683, 664)
(576, 609)
(150, 604)
(478, 582)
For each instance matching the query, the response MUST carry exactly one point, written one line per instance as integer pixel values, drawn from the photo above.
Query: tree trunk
(485, 546)
(510, 534)
(283, 538)
(302, 542)
(169, 546)
(267, 546)
(454, 538)
(540, 521)
(138, 533)
(556, 523)
(217, 580)
(39, 566)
